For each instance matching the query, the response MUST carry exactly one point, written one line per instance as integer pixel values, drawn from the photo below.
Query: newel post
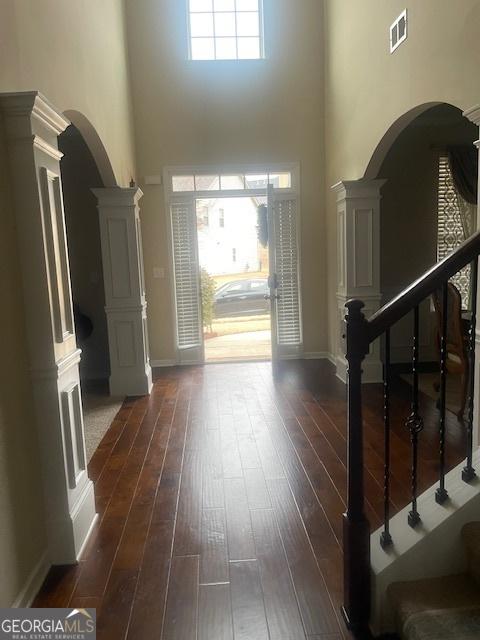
(356, 529)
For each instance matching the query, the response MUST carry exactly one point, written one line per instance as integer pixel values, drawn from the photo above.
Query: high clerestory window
(225, 29)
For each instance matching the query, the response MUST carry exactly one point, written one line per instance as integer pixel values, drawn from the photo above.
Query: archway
(80, 174)
(393, 181)
(389, 137)
(95, 146)
(411, 210)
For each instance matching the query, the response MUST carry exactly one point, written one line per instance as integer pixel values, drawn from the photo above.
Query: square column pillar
(32, 126)
(358, 262)
(474, 116)
(125, 302)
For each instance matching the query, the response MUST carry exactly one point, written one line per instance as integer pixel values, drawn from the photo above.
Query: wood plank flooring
(220, 501)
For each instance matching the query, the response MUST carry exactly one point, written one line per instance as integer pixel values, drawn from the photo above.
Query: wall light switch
(159, 272)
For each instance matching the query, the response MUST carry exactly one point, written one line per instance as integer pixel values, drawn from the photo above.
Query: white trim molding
(32, 125)
(33, 583)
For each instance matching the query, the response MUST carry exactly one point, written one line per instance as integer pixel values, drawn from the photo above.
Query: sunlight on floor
(254, 345)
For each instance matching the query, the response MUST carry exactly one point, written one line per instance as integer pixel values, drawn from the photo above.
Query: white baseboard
(83, 517)
(163, 363)
(319, 355)
(87, 537)
(308, 355)
(33, 583)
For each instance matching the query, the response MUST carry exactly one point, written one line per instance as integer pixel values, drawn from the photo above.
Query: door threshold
(237, 360)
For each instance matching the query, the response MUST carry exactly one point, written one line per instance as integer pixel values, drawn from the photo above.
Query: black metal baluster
(415, 422)
(441, 493)
(468, 472)
(386, 538)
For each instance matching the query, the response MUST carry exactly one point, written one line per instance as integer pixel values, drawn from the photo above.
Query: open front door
(284, 280)
(187, 282)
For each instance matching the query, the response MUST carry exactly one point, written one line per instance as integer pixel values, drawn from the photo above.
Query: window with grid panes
(225, 29)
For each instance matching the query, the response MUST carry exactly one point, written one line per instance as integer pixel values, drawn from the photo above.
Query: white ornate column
(32, 126)
(358, 266)
(125, 302)
(474, 116)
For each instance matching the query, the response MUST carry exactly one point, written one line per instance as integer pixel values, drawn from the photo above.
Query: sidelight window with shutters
(278, 184)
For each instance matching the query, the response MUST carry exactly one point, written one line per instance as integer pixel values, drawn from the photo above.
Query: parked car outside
(242, 298)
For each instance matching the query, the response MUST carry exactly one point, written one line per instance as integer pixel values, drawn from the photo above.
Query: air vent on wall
(398, 31)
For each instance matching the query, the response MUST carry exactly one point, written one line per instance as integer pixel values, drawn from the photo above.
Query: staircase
(360, 579)
(442, 608)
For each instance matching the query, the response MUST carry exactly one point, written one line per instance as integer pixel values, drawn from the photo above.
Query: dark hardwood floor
(220, 500)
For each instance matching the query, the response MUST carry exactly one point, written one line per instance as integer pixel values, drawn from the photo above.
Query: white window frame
(261, 26)
(172, 197)
(256, 169)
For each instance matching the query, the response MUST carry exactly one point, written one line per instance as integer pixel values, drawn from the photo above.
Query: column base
(126, 382)
(84, 517)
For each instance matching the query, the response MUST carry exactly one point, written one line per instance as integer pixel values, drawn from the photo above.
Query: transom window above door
(281, 179)
(225, 29)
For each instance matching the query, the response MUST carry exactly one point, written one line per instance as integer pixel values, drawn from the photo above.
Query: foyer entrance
(235, 253)
(232, 236)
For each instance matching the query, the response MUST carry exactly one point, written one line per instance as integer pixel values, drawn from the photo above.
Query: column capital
(32, 104)
(118, 196)
(358, 189)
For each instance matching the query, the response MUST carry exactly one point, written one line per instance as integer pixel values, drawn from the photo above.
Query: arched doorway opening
(420, 216)
(80, 174)
(388, 221)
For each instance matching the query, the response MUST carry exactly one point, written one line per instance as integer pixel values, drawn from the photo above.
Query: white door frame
(173, 197)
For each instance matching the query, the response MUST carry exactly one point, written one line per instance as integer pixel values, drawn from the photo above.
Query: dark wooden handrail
(360, 332)
(431, 280)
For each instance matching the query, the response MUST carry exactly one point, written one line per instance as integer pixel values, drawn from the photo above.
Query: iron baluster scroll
(468, 473)
(415, 421)
(441, 493)
(361, 333)
(386, 538)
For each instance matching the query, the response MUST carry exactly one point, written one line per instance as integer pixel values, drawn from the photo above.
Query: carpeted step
(437, 608)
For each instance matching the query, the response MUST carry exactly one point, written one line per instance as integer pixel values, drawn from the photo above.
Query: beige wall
(368, 89)
(74, 53)
(229, 112)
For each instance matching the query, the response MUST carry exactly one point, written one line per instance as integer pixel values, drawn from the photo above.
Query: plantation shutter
(187, 287)
(288, 312)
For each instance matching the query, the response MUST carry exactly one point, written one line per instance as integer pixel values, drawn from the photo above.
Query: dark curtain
(464, 167)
